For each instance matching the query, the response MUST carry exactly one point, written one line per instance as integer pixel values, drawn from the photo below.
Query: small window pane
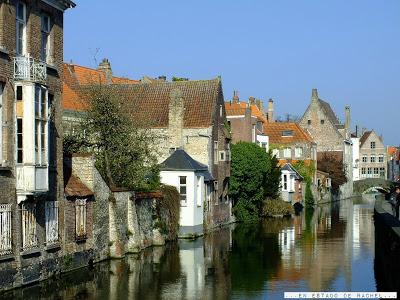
(19, 93)
(20, 11)
(182, 179)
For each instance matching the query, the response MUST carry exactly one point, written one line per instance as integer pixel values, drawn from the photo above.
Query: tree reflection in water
(328, 248)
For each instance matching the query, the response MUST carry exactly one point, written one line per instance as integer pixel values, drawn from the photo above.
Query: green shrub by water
(276, 207)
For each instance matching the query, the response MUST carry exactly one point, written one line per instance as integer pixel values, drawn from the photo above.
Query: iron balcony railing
(26, 68)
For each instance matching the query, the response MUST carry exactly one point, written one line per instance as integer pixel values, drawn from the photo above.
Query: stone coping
(383, 212)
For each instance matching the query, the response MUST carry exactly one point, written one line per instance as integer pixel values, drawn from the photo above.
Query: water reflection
(328, 248)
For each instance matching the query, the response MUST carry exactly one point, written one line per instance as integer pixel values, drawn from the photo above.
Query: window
(372, 158)
(45, 43)
(369, 171)
(222, 156)
(41, 126)
(182, 190)
(318, 182)
(381, 158)
(171, 150)
(19, 93)
(21, 28)
(287, 153)
(20, 154)
(382, 172)
(220, 110)
(284, 182)
(5, 229)
(215, 152)
(373, 145)
(80, 219)
(29, 234)
(322, 122)
(287, 133)
(298, 152)
(51, 212)
(364, 159)
(376, 171)
(199, 200)
(309, 122)
(275, 152)
(362, 171)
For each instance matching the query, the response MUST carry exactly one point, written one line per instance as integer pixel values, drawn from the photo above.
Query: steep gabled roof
(290, 168)
(327, 109)
(149, 102)
(73, 186)
(275, 129)
(181, 161)
(364, 137)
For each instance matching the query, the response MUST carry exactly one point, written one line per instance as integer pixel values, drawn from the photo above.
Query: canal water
(328, 249)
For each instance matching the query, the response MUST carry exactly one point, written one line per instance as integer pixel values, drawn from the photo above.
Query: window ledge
(52, 246)
(5, 168)
(4, 51)
(7, 257)
(51, 67)
(30, 251)
(81, 239)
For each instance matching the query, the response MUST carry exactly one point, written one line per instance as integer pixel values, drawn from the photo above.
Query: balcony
(26, 68)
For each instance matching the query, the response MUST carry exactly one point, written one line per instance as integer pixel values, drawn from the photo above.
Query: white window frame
(364, 159)
(45, 45)
(51, 214)
(381, 158)
(41, 126)
(216, 152)
(372, 158)
(80, 219)
(373, 145)
(29, 227)
(298, 152)
(275, 152)
(182, 196)
(287, 152)
(20, 49)
(5, 229)
(284, 182)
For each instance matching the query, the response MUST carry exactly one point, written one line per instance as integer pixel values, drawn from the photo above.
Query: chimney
(357, 131)
(347, 116)
(260, 105)
(252, 100)
(314, 95)
(162, 78)
(271, 110)
(105, 67)
(235, 98)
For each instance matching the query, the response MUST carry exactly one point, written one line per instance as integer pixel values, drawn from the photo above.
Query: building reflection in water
(328, 248)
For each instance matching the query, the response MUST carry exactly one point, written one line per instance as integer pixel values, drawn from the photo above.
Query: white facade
(31, 139)
(263, 141)
(356, 158)
(191, 213)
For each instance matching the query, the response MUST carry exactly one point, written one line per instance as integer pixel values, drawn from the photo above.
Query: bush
(309, 198)
(277, 207)
(169, 209)
(254, 177)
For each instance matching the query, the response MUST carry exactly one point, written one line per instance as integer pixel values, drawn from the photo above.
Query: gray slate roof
(289, 167)
(329, 112)
(181, 161)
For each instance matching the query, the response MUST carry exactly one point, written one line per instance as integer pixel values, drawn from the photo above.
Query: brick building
(290, 144)
(330, 135)
(372, 153)
(181, 114)
(246, 120)
(393, 163)
(31, 182)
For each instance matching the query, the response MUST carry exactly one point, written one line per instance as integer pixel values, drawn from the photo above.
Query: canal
(328, 249)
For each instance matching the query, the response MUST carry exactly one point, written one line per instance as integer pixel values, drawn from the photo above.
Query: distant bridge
(369, 184)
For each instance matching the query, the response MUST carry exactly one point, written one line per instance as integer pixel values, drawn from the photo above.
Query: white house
(291, 188)
(193, 181)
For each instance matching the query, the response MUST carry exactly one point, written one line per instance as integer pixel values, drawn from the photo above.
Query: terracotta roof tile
(239, 108)
(75, 76)
(73, 186)
(274, 131)
(149, 102)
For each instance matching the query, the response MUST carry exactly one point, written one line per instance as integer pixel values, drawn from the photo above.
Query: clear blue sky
(349, 50)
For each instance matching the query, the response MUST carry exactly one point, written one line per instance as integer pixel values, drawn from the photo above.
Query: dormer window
(287, 133)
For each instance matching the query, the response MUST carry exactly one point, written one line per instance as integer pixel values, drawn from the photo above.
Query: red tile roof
(74, 187)
(274, 131)
(75, 76)
(239, 108)
(149, 102)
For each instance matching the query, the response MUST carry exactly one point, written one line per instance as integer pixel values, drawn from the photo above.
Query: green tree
(124, 153)
(251, 181)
